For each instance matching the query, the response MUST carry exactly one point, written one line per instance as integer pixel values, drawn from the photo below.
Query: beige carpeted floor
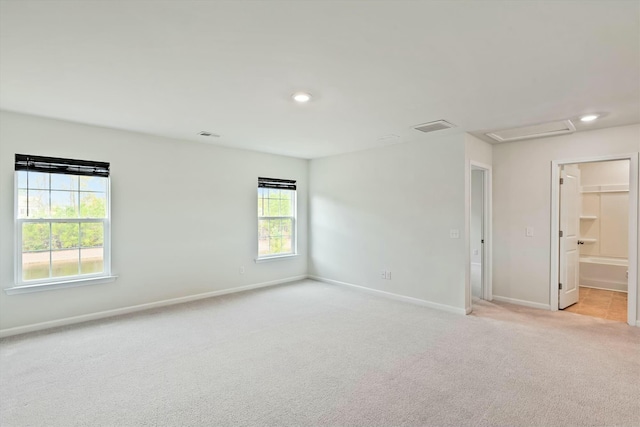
(310, 354)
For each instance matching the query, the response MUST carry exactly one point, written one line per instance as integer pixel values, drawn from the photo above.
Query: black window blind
(283, 184)
(30, 163)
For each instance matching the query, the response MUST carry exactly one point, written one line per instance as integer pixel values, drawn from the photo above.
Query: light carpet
(308, 354)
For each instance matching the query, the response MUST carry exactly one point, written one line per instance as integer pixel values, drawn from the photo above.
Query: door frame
(632, 282)
(487, 268)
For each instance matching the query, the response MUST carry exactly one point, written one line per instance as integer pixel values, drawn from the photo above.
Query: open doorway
(595, 268)
(480, 232)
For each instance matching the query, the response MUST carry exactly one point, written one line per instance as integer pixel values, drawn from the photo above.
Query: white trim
(522, 302)
(274, 258)
(633, 228)
(294, 230)
(65, 281)
(40, 287)
(487, 248)
(570, 128)
(397, 297)
(141, 307)
(604, 285)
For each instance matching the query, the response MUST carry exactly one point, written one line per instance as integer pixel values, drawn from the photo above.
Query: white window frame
(294, 232)
(27, 286)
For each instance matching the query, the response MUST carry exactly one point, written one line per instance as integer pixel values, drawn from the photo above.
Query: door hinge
(561, 181)
(482, 241)
(561, 234)
(560, 286)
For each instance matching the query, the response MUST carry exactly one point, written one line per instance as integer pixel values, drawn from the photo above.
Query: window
(62, 220)
(276, 217)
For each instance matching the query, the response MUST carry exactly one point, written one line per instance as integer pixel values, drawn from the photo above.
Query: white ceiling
(375, 69)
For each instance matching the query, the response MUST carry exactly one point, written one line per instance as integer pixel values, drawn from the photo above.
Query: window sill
(274, 258)
(27, 289)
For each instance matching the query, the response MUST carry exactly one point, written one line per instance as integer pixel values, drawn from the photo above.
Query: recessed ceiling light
(589, 118)
(301, 97)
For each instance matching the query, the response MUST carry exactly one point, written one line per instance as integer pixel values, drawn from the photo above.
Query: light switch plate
(454, 233)
(528, 231)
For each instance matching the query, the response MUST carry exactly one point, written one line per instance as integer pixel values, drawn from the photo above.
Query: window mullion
(50, 251)
(79, 242)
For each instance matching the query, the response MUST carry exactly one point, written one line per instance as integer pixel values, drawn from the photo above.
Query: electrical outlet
(388, 275)
(528, 231)
(476, 252)
(241, 271)
(454, 233)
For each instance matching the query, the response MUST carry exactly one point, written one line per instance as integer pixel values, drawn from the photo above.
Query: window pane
(263, 246)
(274, 207)
(274, 227)
(34, 206)
(35, 237)
(274, 193)
(65, 262)
(64, 204)
(286, 207)
(286, 227)
(286, 244)
(275, 245)
(91, 260)
(38, 180)
(65, 235)
(35, 265)
(93, 183)
(93, 205)
(22, 179)
(64, 182)
(92, 234)
(263, 228)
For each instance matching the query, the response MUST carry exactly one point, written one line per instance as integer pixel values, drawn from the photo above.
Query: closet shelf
(585, 217)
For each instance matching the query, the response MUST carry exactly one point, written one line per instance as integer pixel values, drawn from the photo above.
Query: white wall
(610, 228)
(182, 225)
(522, 197)
(604, 173)
(392, 208)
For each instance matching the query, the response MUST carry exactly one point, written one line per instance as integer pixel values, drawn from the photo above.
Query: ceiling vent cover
(535, 131)
(209, 134)
(433, 126)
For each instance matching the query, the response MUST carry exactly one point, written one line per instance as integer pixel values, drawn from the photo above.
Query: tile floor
(600, 303)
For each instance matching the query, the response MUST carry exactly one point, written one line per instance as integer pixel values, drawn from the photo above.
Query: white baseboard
(397, 297)
(141, 307)
(522, 302)
(607, 285)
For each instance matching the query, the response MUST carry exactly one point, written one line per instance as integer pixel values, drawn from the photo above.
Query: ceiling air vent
(433, 126)
(209, 134)
(535, 131)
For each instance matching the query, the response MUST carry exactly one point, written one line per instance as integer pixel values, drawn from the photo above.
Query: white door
(569, 229)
